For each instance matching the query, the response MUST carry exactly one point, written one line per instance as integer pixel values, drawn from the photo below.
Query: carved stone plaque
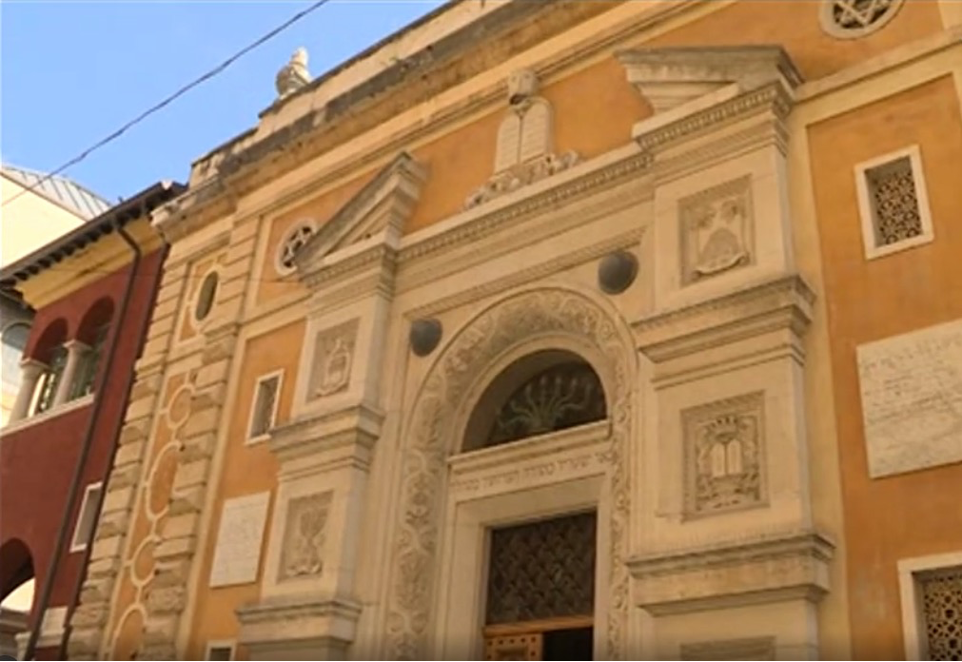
(911, 388)
(239, 538)
(716, 230)
(333, 359)
(724, 455)
(302, 550)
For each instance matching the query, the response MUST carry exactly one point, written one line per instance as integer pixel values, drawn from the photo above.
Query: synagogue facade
(531, 332)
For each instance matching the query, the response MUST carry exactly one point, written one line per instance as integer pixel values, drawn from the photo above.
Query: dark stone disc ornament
(425, 336)
(617, 271)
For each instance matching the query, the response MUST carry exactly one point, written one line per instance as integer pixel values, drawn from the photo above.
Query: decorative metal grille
(897, 213)
(860, 14)
(942, 608)
(542, 570)
(292, 245)
(561, 397)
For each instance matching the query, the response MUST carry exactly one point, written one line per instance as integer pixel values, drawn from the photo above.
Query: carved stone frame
(525, 318)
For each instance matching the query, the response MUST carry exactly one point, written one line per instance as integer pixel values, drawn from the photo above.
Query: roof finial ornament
(293, 75)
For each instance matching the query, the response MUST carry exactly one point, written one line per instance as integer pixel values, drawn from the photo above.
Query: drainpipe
(74, 490)
(128, 386)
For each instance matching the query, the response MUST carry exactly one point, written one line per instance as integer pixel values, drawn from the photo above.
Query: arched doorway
(540, 588)
(522, 346)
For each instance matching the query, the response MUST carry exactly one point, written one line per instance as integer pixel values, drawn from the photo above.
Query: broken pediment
(672, 77)
(379, 209)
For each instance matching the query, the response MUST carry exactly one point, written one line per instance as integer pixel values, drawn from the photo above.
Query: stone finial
(293, 75)
(522, 85)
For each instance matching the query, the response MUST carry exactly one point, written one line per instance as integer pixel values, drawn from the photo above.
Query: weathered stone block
(167, 599)
(106, 547)
(187, 501)
(93, 615)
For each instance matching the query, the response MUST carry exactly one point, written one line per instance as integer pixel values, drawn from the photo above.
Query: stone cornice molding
(276, 620)
(334, 438)
(587, 178)
(793, 565)
(671, 77)
(783, 303)
(773, 99)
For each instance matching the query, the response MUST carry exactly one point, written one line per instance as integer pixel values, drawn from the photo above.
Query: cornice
(785, 302)
(774, 97)
(473, 104)
(486, 220)
(279, 620)
(790, 566)
(327, 436)
(378, 256)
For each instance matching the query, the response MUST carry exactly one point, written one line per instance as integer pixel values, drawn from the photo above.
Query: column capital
(28, 364)
(74, 345)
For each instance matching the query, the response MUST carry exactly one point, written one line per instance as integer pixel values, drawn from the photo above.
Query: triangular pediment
(379, 209)
(671, 77)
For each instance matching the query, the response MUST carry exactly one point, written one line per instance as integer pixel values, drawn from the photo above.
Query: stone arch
(95, 318)
(517, 323)
(16, 566)
(53, 336)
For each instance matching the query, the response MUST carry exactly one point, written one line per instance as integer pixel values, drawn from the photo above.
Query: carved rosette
(519, 319)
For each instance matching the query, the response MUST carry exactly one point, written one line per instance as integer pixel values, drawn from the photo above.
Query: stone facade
(590, 184)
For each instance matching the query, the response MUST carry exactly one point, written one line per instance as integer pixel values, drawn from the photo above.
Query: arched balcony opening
(91, 341)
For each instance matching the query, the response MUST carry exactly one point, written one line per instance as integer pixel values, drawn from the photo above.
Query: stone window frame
(229, 644)
(193, 298)
(250, 438)
(81, 538)
(830, 27)
(913, 625)
(866, 207)
(295, 227)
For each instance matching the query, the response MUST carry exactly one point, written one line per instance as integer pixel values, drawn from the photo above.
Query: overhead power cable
(173, 97)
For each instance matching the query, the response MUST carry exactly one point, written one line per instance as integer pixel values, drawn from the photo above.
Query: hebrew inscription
(238, 551)
(911, 388)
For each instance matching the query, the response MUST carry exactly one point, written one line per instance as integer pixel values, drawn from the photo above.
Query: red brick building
(93, 291)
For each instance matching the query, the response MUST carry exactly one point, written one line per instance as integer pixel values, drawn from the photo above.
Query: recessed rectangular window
(267, 393)
(940, 593)
(220, 650)
(893, 203)
(87, 519)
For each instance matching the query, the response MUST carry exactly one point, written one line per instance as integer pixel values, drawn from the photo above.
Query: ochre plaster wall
(911, 514)
(247, 469)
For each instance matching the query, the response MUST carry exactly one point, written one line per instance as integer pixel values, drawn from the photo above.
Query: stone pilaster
(91, 618)
(176, 552)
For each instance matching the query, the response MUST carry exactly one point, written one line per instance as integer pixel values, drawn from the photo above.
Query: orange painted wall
(246, 470)
(795, 26)
(919, 513)
(594, 112)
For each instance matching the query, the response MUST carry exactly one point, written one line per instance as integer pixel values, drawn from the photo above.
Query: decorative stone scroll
(302, 550)
(911, 388)
(522, 318)
(716, 230)
(524, 152)
(724, 455)
(333, 357)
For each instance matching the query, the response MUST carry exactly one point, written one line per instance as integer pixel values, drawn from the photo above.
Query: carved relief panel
(716, 230)
(724, 455)
(333, 359)
(302, 548)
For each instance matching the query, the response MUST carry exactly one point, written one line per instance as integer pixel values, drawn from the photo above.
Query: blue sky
(73, 72)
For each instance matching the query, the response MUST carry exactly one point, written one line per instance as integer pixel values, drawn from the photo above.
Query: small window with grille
(220, 650)
(940, 604)
(893, 203)
(267, 392)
